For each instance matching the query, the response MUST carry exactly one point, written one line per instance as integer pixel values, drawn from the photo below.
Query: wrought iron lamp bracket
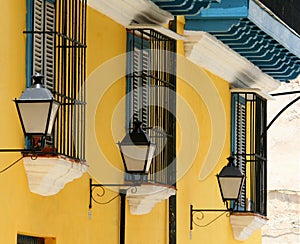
(97, 191)
(33, 153)
(198, 215)
(8, 150)
(37, 148)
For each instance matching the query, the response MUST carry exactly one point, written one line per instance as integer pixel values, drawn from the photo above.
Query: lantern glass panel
(135, 156)
(150, 156)
(34, 116)
(54, 109)
(230, 187)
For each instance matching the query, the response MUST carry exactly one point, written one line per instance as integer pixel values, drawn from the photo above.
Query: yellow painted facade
(64, 218)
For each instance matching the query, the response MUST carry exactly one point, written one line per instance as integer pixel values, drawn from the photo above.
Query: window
(249, 114)
(151, 86)
(22, 239)
(56, 48)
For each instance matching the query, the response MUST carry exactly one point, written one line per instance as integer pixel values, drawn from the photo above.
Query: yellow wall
(107, 85)
(64, 218)
(201, 193)
(204, 194)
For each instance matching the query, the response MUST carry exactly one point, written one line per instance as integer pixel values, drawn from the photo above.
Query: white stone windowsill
(143, 198)
(244, 224)
(47, 175)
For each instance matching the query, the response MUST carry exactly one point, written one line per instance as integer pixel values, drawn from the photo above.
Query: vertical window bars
(58, 52)
(70, 74)
(151, 87)
(249, 146)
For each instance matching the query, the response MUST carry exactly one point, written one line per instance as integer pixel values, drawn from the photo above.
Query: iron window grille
(56, 48)
(249, 146)
(151, 87)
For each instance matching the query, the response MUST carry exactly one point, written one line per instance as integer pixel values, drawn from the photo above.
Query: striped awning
(254, 32)
(183, 7)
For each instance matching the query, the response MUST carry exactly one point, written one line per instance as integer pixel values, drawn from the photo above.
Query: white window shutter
(145, 87)
(140, 84)
(44, 43)
(135, 83)
(240, 143)
(49, 52)
(38, 38)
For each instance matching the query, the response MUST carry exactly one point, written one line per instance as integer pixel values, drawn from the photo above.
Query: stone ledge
(245, 223)
(47, 175)
(143, 198)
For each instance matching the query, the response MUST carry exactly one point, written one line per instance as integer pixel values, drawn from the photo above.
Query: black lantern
(37, 109)
(137, 150)
(230, 181)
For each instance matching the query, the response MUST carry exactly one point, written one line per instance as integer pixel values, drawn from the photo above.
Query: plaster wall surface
(284, 169)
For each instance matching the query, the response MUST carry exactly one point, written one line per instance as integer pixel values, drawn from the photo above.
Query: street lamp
(230, 181)
(137, 150)
(37, 109)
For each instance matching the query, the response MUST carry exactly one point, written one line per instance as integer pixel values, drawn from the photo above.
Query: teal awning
(254, 32)
(184, 7)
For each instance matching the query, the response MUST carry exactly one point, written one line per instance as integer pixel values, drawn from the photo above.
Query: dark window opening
(151, 87)
(22, 239)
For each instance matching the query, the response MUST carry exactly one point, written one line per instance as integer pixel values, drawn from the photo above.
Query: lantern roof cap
(137, 136)
(230, 170)
(37, 91)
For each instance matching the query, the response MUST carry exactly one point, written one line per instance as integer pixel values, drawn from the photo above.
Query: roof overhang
(254, 32)
(208, 52)
(127, 12)
(184, 7)
(264, 19)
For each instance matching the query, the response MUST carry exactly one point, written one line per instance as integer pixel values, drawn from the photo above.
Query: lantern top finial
(231, 161)
(137, 127)
(37, 81)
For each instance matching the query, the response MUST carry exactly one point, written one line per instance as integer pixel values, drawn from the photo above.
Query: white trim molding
(127, 12)
(208, 52)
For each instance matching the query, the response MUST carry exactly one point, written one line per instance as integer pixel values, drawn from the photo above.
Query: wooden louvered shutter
(140, 85)
(239, 118)
(135, 83)
(38, 38)
(44, 41)
(249, 147)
